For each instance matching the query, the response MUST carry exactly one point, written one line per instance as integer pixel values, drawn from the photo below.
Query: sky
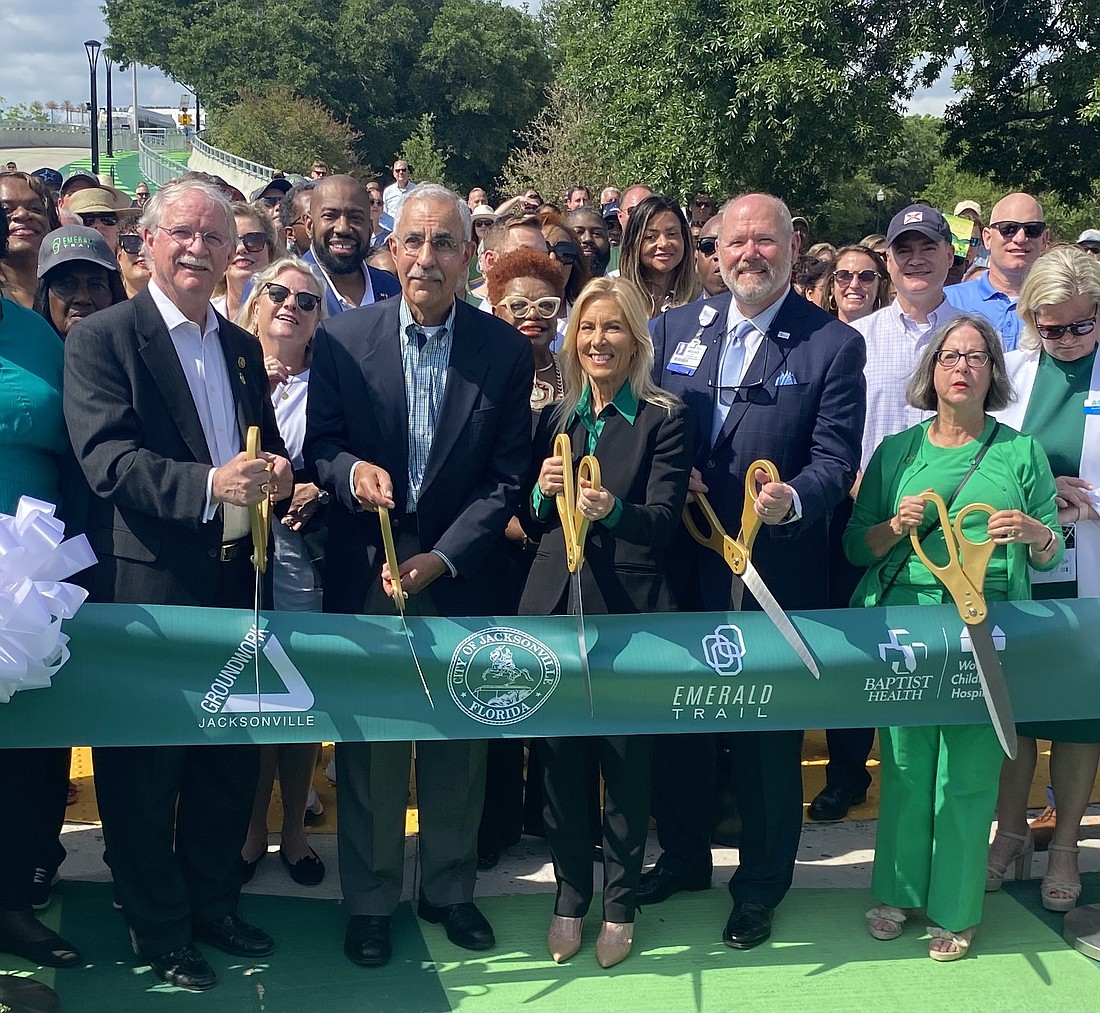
(47, 60)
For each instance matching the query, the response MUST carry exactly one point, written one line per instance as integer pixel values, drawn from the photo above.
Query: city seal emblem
(500, 676)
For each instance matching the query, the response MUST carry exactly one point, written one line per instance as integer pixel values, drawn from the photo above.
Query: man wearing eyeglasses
(399, 189)
(421, 405)
(270, 195)
(293, 213)
(161, 391)
(1016, 236)
(97, 208)
(707, 265)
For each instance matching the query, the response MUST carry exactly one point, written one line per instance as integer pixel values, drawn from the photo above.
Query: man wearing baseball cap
(51, 178)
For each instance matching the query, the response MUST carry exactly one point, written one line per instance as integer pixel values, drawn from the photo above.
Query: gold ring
(265, 488)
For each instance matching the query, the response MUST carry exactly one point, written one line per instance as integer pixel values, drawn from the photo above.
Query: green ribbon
(151, 675)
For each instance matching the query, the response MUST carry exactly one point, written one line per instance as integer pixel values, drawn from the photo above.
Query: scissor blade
(755, 583)
(256, 631)
(992, 678)
(416, 660)
(582, 640)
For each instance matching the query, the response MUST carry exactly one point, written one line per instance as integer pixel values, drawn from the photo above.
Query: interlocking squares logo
(906, 655)
(724, 650)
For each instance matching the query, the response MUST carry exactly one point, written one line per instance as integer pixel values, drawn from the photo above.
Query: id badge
(686, 358)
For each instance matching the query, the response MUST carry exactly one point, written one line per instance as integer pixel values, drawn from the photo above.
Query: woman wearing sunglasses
(1054, 371)
(856, 285)
(132, 265)
(257, 245)
(566, 252)
(284, 309)
(655, 254)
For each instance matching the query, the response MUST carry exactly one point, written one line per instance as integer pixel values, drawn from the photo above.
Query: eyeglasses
(1055, 332)
(707, 245)
(270, 202)
(141, 198)
(519, 307)
(948, 357)
(1033, 230)
(185, 236)
(130, 243)
(564, 253)
(278, 294)
(376, 202)
(974, 241)
(863, 277)
(253, 242)
(441, 245)
(107, 218)
(482, 223)
(1090, 247)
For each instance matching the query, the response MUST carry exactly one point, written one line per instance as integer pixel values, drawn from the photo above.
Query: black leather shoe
(488, 859)
(367, 940)
(749, 925)
(232, 934)
(833, 802)
(466, 926)
(308, 871)
(185, 968)
(659, 884)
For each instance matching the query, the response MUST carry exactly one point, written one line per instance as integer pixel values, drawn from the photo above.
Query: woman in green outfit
(1056, 377)
(939, 784)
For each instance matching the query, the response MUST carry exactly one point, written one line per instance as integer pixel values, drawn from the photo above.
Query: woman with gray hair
(939, 783)
(1055, 374)
(613, 410)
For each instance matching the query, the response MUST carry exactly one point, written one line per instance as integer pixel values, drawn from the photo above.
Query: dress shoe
(465, 925)
(614, 942)
(248, 869)
(833, 802)
(308, 871)
(367, 940)
(564, 937)
(749, 925)
(232, 934)
(487, 859)
(660, 883)
(185, 968)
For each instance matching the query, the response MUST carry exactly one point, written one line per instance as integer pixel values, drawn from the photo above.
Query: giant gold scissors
(964, 577)
(400, 595)
(737, 552)
(575, 528)
(259, 520)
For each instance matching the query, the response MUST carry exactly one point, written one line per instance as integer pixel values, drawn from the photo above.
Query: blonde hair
(260, 281)
(631, 302)
(1059, 275)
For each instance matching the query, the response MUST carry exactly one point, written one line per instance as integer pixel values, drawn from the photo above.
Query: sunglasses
(520, 308)
(864, 277)
(1090, 247)
(278, 294)
(375, 203)
(1033, 230)
(270, 202)
(564, 253)
(141, 197)
(1056, 331)
(106, 218)
(707, 245)
(253, 242)
(130, 243)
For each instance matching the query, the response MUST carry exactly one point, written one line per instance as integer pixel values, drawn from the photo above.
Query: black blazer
(138, 439)
(480, 451)
(810, 428)
(646, 465)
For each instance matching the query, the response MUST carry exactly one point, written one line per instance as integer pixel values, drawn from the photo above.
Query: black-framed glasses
(564, 252)
(1090, 246)
(520, 308)
(376, 202)
(1079, 328)
(107, 218)
(270, 202)
(253, 242)
(482, 223)
(130, 243)
(863, 277)
(278, 294)
(1033, 230)
(948, 357)
(185, 236)
(755, 393)
(707, 245)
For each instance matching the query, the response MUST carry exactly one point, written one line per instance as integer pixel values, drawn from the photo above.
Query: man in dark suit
(764, 374)
(160, 393)
(419, 405)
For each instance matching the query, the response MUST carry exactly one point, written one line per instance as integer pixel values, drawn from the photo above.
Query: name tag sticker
(687, 357)
(1092, 405)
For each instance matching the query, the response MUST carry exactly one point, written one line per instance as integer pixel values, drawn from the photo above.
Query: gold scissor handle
(750, 521)
(574, 524)
(259, 514)
(390, 550)
(967, 560)
(717, 540)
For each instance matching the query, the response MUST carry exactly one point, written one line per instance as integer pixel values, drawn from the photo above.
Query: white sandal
(893, 917)
(1051, 887)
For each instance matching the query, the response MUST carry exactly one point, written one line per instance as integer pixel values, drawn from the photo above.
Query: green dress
(1055, 418)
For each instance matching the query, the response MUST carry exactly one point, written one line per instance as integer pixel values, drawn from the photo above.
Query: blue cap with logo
(922, 218)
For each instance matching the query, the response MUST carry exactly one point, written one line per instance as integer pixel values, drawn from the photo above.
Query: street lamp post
(91, 47)
(880, 199)
(110, 119)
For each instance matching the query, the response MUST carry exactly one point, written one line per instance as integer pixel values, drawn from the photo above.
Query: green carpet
(126, 168)
(820, 958)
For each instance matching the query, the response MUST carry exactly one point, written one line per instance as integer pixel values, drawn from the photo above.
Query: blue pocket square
(786, 379)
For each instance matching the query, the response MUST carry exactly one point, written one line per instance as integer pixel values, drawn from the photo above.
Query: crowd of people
(405, 348)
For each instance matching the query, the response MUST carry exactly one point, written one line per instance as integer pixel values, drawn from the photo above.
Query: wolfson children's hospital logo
(232, 700)
(914, 674)
(500, 676)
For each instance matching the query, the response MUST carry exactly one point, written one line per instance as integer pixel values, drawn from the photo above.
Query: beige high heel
(995, 872)
(614, 943)
(959, 942)
(564, 937)
(1052, 886)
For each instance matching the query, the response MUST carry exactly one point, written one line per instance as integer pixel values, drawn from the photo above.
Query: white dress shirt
(347, 304)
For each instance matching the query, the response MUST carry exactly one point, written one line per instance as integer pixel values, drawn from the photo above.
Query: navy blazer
(384, 285)
(810, 426)
(480, 452)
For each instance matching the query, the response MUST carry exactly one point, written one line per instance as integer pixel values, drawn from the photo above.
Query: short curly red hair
(523, 263)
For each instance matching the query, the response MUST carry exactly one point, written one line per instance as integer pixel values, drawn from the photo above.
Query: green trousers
(939, 792)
